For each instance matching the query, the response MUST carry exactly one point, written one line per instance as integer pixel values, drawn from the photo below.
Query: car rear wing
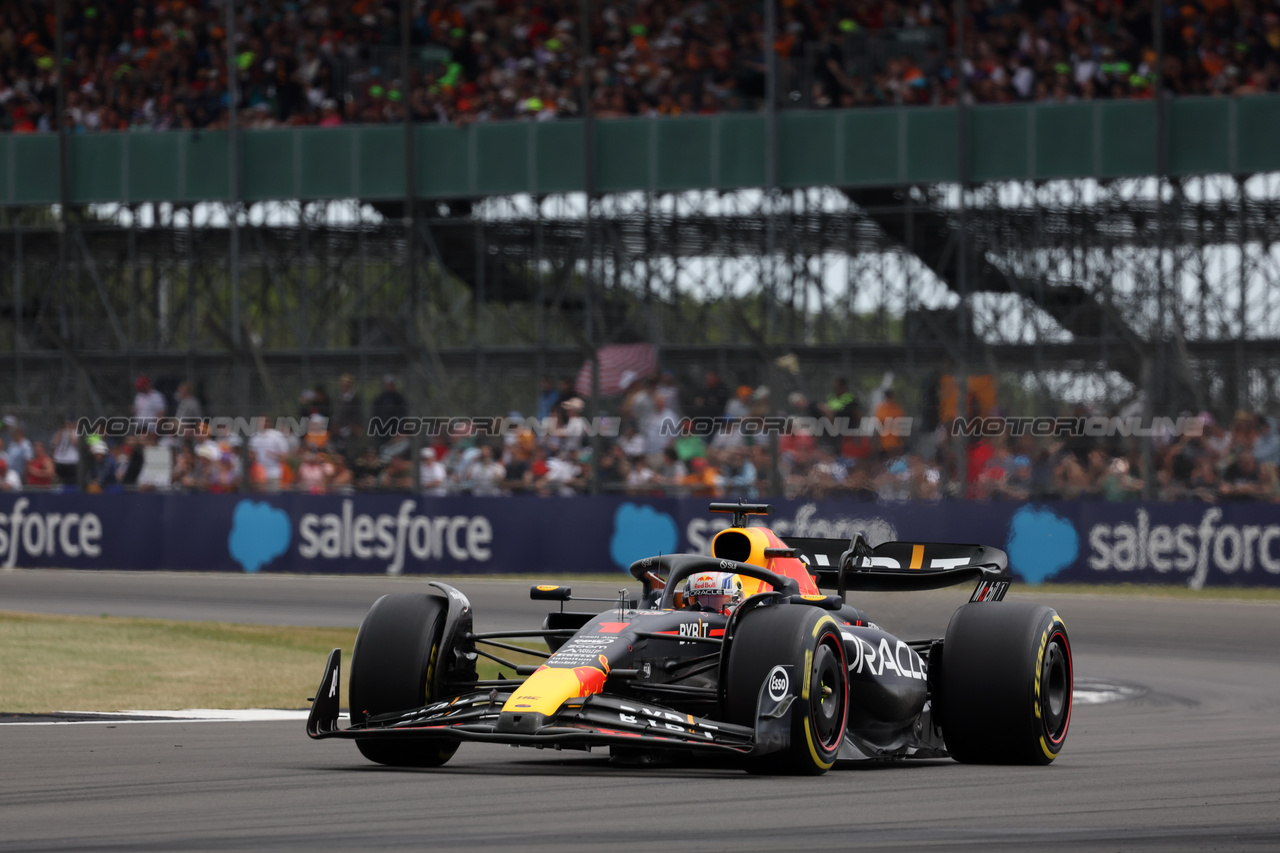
(902, 566)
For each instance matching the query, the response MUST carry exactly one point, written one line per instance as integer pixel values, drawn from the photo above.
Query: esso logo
(779, 683)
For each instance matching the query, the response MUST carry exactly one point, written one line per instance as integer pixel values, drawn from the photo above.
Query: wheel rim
(828, 695)
(1055, 688)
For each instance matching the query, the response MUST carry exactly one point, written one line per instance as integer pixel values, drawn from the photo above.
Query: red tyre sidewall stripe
(833, 639)
(1071, 685)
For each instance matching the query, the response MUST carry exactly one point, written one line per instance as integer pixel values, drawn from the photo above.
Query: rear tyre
(392, 668)
(804, 644)
(1006, 682)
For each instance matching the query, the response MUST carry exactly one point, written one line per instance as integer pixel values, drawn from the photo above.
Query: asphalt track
(1191, 763)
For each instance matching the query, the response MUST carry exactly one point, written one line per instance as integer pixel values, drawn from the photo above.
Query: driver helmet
(717, 591)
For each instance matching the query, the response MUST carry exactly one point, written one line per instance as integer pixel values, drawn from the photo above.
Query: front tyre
(805, 644)
(1007, 680)
(392, 667)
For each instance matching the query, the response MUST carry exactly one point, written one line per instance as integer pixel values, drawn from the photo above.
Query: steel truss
(1070, 291)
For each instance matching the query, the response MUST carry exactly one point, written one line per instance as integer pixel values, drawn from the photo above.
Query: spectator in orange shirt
(889, 408)
(257, 474)
(703, 479)
(317, 437)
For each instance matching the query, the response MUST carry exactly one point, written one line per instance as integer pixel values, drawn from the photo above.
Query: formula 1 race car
(736, 654)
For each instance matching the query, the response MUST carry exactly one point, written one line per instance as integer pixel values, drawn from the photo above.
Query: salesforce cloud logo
(259, 534)
(641, 531)
(1041, 544)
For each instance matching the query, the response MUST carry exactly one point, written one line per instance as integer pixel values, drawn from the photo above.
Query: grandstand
(1073, 201)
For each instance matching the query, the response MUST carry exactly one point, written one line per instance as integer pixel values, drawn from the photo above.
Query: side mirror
(549, 592)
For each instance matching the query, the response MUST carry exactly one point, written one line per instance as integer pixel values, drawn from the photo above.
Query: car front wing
(598, 720)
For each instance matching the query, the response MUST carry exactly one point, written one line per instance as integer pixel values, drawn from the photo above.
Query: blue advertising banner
(1082, 542)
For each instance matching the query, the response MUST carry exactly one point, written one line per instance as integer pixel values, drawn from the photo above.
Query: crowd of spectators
(163, 64)
(333, 444)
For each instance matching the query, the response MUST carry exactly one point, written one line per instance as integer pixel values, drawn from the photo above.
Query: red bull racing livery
(750, 654)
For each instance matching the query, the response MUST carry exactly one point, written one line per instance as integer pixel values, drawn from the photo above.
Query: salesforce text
(70, 534)
(1185, 548)
(330, 536)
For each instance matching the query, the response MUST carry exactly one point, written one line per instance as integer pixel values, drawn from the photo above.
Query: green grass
(84, 663)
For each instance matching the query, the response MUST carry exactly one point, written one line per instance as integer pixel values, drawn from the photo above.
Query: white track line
(1099, 692)
(1090, 693)
(1099, 697)
(189, 715)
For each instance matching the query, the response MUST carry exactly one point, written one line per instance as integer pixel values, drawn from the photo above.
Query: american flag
(615, 360)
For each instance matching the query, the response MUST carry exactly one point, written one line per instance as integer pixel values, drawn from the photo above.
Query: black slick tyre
(799, 647)
(1006, 683)
(391, 670)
